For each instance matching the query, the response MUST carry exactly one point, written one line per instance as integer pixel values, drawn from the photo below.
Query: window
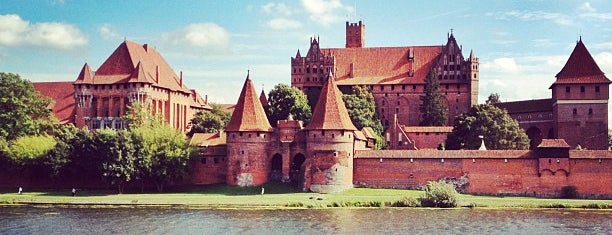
(413, 87)
(567, 89)
(596, 88)
(216, 160)
(203, 161)
(590, 111)
(575, 111)
(581, 89)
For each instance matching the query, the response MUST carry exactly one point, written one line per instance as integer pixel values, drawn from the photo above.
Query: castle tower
(83, 96)
(580, 101)
(472, 64)
(355, 35)
(248, 134)
(329, 164)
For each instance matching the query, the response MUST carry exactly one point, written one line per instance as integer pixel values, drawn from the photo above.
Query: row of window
(216, 160)
(582, 89)
(110, 86)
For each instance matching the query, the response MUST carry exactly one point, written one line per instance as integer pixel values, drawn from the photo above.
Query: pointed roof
(86, 75)
(263, 99)
(249, 114)
(580, 68)
(330, 112)
(122, 66)
(298, 55)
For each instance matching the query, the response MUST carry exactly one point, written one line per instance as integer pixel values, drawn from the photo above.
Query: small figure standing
(73, 192)
(262, 191)
(20, 190)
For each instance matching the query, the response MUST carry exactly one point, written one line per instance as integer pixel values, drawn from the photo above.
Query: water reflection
(27, 220)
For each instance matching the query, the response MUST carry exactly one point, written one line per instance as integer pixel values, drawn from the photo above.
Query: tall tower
(248, 134)
(580, 101)
(472, 64)
(355, 35)
(330, 143)
(84, 97)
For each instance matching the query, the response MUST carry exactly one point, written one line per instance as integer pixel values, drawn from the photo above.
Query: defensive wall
(494, 172)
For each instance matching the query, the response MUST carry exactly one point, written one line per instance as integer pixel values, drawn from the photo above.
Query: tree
(432, 108)
(23, 111)
(116, 150)
(138, 115)
(26, 150)
(211, 121)
(361, 107)
(285, 100)
(493, 99)
(499, 130)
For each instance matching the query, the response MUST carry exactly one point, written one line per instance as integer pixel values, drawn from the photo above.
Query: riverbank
(273, 197)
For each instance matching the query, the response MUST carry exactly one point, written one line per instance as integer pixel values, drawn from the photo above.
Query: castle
(330, 154)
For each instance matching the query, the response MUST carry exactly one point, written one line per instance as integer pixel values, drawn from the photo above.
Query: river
(31, 220)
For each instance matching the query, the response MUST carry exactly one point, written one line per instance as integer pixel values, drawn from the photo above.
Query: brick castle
(330, 154)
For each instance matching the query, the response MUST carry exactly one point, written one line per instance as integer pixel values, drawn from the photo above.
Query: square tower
(355, 35)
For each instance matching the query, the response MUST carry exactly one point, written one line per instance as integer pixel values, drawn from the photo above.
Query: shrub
(407, 201)
(439, 194)
(569, 191)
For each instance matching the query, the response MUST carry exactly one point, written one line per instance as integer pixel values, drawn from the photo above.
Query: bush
(569, 191)
(407, 201)
(439, 194)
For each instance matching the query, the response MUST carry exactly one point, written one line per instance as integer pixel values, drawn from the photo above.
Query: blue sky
(521, 44)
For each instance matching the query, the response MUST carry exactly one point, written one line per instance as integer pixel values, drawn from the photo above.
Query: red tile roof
(430, 129)
(132, 62)
(368, 132)
(383, 65)
(208, 139)
(86, 75)
(527, 106)
(330, 112)
(62, 94)
(432, 153)
(249, 114)
(581, 68)
(553, 143)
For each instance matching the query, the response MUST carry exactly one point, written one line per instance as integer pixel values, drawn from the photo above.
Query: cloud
(557, 18)
(281, 23)
(107, 32)
(586, 7)
(589, 12)
(208, 37)
(504, 65)
(15, 31)
(277, 9)
(325, 12)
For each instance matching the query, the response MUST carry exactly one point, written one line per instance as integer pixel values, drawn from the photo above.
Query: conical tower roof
(263, 99)
(580, 68)
(139, 75)
(249, 114)
(330, 112)
(86, 76)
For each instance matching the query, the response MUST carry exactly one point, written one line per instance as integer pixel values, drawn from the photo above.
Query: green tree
(493, 99)
(285, 100)
(27, 150)
(116, 150)
(23, 111)
(361, 107)
(62, 154)
(432, 108)
(499, 130)
(138, 115)
(162, 154)
(211, 121)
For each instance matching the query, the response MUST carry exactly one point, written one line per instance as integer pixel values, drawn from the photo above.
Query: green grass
(276, 196)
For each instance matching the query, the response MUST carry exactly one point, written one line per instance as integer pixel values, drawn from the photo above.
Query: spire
(263, 99)
(249, 114)
(471, 54)
(330, 112)
(139, 74)
(298, 54)
(580, 64)
(86, 76)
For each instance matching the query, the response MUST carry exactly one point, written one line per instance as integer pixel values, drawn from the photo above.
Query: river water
(29, 220)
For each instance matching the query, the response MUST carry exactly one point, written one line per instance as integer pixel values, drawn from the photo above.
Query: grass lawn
(276, 196)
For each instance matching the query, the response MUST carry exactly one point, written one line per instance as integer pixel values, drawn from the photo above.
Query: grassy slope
(275, 196)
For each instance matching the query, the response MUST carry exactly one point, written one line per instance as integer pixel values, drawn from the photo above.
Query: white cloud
(277, 9)
(586, 7)
(325, 12)
(107, 32)
(281, 23)
(15, 31)
(504, 65)
(557, 18)
(208, 37)
(604, 60)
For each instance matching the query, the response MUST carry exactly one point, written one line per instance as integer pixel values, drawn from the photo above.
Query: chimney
(206, 99)
(157, 73)
(181, 79)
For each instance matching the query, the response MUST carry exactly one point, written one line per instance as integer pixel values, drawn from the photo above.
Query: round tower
(248, 135)
(330, 143)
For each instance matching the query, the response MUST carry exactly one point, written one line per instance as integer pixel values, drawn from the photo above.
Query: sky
(521, 45)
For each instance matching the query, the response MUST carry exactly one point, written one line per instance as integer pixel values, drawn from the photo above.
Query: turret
(472, 64)
(248, 134)
(355, 35)
(580, 101)
(330, 143)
